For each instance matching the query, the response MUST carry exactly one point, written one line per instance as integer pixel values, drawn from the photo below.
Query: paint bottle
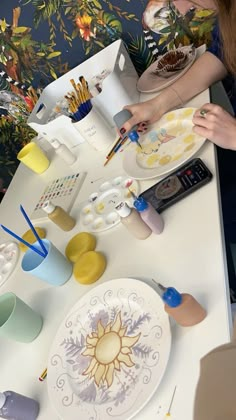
(63, 151)
(15, 406)
(184, 308)
(120, 118)
(131, 219)
(57, 215)
(149, 215)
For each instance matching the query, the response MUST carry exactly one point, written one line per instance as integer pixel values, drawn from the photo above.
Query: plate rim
(170, 80)
(135, 281)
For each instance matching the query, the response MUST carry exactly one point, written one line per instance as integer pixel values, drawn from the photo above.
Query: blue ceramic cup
(55, 269)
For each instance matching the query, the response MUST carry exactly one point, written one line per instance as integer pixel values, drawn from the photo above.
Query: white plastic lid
(48, 207)
(2, 399)
(55, 143)
(123, 209)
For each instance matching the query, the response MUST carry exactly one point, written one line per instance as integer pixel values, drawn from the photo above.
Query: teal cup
(55, 269)
(17, 320)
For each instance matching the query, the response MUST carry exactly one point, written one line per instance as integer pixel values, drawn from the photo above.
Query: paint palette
(9, 252)
(167, 145)
(98, 212)
(61, 191)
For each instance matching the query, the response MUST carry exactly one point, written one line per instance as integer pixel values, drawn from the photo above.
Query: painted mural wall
(42, 39)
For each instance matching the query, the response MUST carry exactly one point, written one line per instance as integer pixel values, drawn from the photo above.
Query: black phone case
(177, 185)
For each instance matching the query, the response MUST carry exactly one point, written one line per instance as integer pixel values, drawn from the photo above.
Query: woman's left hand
(214, 123)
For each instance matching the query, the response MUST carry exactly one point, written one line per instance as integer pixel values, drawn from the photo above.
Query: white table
(188, 255)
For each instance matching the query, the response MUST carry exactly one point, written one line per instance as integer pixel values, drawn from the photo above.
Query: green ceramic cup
(17, 320)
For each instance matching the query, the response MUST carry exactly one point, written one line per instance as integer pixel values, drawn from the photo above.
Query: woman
(215, 124)
(211, 121)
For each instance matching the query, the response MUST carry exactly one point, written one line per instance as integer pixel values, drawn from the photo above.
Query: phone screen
(164, 191)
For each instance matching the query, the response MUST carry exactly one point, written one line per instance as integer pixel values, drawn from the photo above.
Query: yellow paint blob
(164, 160)
(100, 207)
(189, 147)
(170, 116)
(189, 138)
(98, 225)
(176, 157)
(187, 112)
(86, 210)
(151, 160)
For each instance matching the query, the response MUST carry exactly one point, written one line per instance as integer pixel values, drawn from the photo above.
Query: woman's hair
(227, 23)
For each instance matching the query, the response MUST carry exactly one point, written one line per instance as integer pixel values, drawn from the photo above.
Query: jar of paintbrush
(86, 117)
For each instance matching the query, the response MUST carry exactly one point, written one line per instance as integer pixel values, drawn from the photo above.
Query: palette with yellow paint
(168, 144)
(98, 212)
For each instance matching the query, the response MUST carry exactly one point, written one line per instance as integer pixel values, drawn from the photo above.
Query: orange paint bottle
(184, 308)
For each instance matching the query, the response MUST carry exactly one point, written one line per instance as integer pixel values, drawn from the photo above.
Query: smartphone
(179, 184)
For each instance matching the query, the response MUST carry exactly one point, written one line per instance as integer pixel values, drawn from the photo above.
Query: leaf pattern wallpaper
(42, 39)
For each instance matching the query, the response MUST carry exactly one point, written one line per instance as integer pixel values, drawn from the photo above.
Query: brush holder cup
(95, 130)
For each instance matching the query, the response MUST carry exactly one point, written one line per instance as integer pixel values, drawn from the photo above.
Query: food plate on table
(110, 352)
(167, 145)
(166, 69)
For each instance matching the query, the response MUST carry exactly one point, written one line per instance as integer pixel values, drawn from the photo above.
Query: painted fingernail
(141, 130)
(122, 130)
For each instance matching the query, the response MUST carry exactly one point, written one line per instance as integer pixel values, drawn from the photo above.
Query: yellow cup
(33, 157)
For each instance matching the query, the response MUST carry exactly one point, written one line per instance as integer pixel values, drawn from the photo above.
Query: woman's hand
(143, 113)
(216, 125)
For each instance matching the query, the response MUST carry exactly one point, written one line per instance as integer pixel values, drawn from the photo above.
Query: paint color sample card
(61, 192)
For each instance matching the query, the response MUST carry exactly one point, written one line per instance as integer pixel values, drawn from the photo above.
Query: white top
(55, 143)
(189, 255)
(48, 207)
(123, 209)
(2, 399)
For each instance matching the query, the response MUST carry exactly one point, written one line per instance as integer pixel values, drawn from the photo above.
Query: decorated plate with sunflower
(110, 353)
(166, 146)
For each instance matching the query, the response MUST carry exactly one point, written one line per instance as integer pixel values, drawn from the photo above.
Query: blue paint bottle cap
(140, 204)
(133, 136)
(171, 296)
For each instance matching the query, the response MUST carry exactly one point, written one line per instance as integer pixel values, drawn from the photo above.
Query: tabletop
(188, 255)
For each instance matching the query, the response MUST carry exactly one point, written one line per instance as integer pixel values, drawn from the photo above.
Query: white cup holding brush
(95, 130)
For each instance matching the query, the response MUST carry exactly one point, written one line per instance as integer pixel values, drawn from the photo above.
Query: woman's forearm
(207, 70)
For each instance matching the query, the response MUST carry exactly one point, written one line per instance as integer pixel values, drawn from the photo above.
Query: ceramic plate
(9, 253)
(110, 353)
(167, 145)
(98, 212)
(150, 82)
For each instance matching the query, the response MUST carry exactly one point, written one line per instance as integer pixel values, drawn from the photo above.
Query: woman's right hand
(143, 113)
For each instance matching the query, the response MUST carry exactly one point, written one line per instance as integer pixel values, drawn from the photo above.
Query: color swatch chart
(61, 192)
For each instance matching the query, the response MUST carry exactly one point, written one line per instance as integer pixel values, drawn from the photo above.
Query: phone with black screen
(179, 184)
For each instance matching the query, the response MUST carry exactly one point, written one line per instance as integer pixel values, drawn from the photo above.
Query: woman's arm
(207, 70)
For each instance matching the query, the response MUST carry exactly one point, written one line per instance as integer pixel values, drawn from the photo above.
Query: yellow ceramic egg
(89, 267)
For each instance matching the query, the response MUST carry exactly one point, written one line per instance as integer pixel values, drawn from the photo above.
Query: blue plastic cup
(55, 269)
